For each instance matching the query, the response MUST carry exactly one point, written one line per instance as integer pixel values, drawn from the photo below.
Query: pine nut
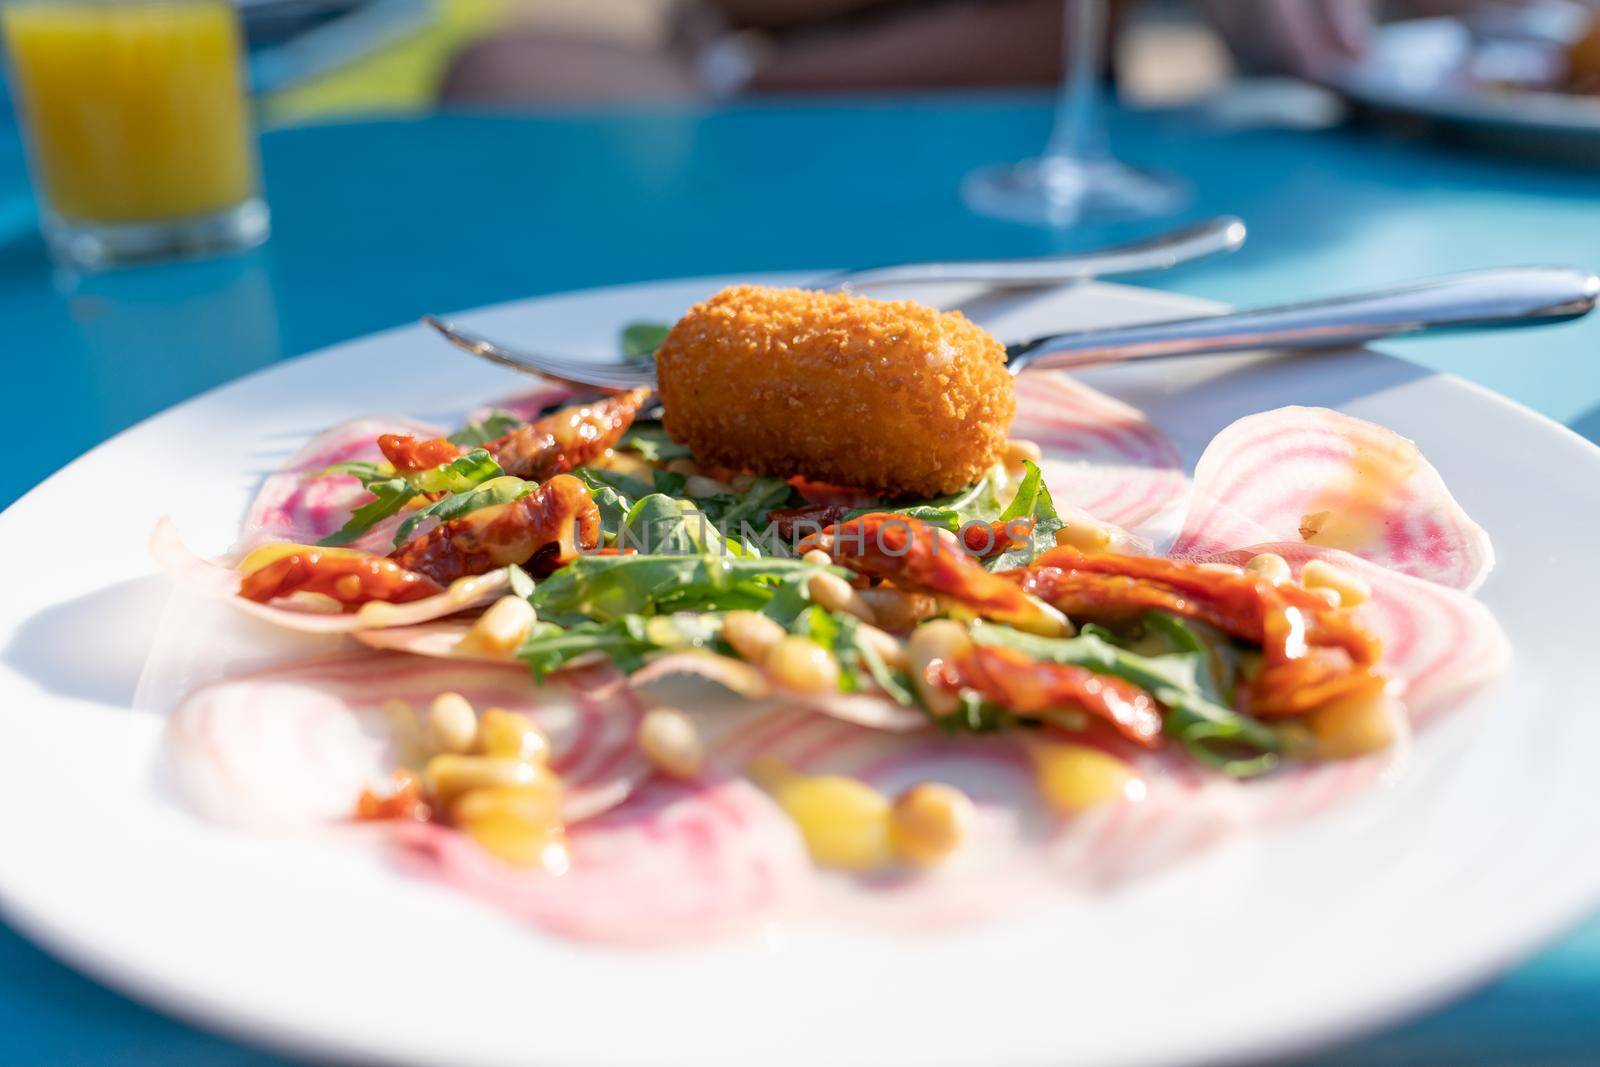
(1320, 574)
(1019, 451)
(897, 610)
(802, 664)
(835, 594)
(1084, 535)
(931, 644)
(450, 774)
(929, 821)
(817, 556)
(890, 650)
(452, 724)
(1271, 566)
(513, 735)
(501, 630)
(1354, 725)
(669, 740)
(752, 635)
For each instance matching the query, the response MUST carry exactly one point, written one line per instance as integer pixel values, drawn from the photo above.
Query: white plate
(1444, 69)
(1479, 852)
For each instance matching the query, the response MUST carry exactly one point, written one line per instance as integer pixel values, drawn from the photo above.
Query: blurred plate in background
(1496, 78)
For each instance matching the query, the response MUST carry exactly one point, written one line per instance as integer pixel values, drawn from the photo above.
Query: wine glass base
(1070, 192)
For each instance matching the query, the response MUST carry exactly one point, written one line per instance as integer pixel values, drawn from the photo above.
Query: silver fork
(1481, 299)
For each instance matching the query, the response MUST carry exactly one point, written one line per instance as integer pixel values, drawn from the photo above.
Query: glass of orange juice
(138, 128)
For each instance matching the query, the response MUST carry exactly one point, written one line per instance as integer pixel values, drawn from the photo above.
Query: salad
(647, 667)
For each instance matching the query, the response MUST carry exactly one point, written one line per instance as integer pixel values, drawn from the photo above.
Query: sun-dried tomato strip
(543, 531)
(352, 580)
(1026, 687)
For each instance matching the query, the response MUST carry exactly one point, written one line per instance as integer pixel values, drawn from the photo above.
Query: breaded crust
(894, 397)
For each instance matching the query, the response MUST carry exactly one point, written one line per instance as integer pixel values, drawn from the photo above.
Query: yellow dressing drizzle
(1350, 513)
(266, 555)
(845, 823)
(1074, 778)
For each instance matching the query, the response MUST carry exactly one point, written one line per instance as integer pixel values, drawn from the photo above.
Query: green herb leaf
(660, 525)
(612, 503)
(459, 475)
(978, 502)
(742, 517)
(365, 470)
(1032, 501)
(650, 441)
(495, 491)
(476, 433)
(1234, 743)
(641, 339)
(388, 497)
(606, 588)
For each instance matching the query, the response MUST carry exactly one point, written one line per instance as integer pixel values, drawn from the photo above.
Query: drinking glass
(1076, 180)
(138, 129)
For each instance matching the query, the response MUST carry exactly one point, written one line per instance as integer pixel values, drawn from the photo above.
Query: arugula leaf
(459, 475)
(978, 502)
(627, 641)
(627, 487)
(390, 493)
(549, 647)
(388, 497)
(476, 433)
(1219, 656)
(365, 470)
(650, 441)
(661, 525)
(730, 509)
(495, 491)
(607, 588)
(669, 482)
(613, 504)
(1032, 501)
(1215, 734)
(641, 339)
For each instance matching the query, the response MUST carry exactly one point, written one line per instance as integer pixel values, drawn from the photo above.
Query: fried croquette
(893, 397)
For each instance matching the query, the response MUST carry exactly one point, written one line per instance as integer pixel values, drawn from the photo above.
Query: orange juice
(135, 109)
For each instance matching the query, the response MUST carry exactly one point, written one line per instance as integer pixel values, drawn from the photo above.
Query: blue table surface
(376, 223)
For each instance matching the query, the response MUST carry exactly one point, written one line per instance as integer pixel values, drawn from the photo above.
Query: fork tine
(575, 372)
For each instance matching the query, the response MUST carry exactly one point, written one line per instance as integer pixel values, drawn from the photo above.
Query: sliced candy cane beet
(1000, 866)
(1100, 455)
(1438, 643)
(1328, 479)
(294, 746)
(221, 582)
(674, 864)
(300, 505)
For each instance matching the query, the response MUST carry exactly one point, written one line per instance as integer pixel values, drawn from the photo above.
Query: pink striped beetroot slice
(293, 747)
(1100, 455)
(676, 863)
(301, 505)
(1333, 481)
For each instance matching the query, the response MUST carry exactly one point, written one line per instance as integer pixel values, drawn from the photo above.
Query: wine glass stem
(1078, 134)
